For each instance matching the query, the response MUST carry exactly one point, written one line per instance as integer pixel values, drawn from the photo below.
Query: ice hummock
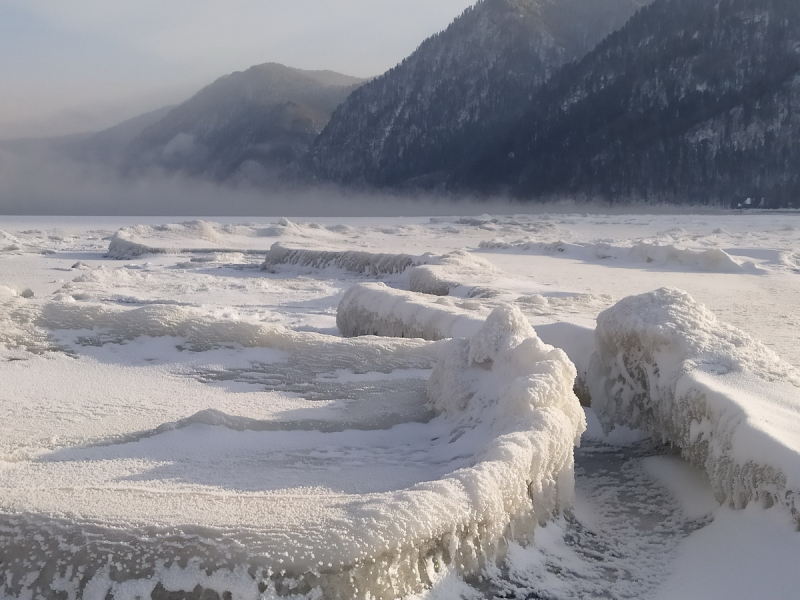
(233, 456)
(457, 273)
(376, 309)
(356, 261)
(665, 364)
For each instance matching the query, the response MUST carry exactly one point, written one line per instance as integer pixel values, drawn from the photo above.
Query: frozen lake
(180, 412)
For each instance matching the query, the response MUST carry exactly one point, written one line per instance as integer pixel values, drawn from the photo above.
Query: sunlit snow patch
(665, 364)
(147, 471)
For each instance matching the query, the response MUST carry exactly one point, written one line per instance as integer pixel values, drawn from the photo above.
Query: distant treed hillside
(437, 109)
(249, 124)
(693, 100)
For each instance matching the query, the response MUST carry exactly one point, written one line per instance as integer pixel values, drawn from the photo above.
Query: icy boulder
(664, 363)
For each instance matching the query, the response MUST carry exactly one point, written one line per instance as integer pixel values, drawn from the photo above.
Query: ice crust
(133, 512)
(665, 364)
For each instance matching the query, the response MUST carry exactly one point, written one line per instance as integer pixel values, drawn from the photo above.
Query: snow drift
(664, 363)
(288, 502)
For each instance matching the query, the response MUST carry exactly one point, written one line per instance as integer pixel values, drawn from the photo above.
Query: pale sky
(80, 65)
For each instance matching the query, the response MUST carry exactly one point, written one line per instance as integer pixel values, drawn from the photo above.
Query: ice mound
(162, 484)
(713, 260)
(365, 263)
(376, 309)
(665, 364)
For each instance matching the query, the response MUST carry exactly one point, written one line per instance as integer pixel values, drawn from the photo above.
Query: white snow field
(261, 408)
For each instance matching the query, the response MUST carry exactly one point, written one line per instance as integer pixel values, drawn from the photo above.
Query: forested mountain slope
(438, 108)
(692, 101)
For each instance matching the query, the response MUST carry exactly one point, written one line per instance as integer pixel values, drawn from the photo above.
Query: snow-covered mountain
(437, 109)
(692, 101)
(247, 124)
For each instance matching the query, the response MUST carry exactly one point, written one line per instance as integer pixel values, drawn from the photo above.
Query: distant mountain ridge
(251, 122)
(437, 108)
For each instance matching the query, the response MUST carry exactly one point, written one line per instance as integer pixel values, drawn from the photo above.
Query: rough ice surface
(664, 363)
(363, 495)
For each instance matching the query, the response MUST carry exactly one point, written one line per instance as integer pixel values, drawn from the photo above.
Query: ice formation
(149, 489)
(664, 363)
(437, 275)
(458, 273)
(205, 237)
(376, 309)
(713, 260)
(366, 263)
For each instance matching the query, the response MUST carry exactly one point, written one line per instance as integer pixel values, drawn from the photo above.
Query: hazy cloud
(89, 55)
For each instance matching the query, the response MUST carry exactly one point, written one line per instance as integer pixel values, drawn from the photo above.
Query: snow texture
(665, 364)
